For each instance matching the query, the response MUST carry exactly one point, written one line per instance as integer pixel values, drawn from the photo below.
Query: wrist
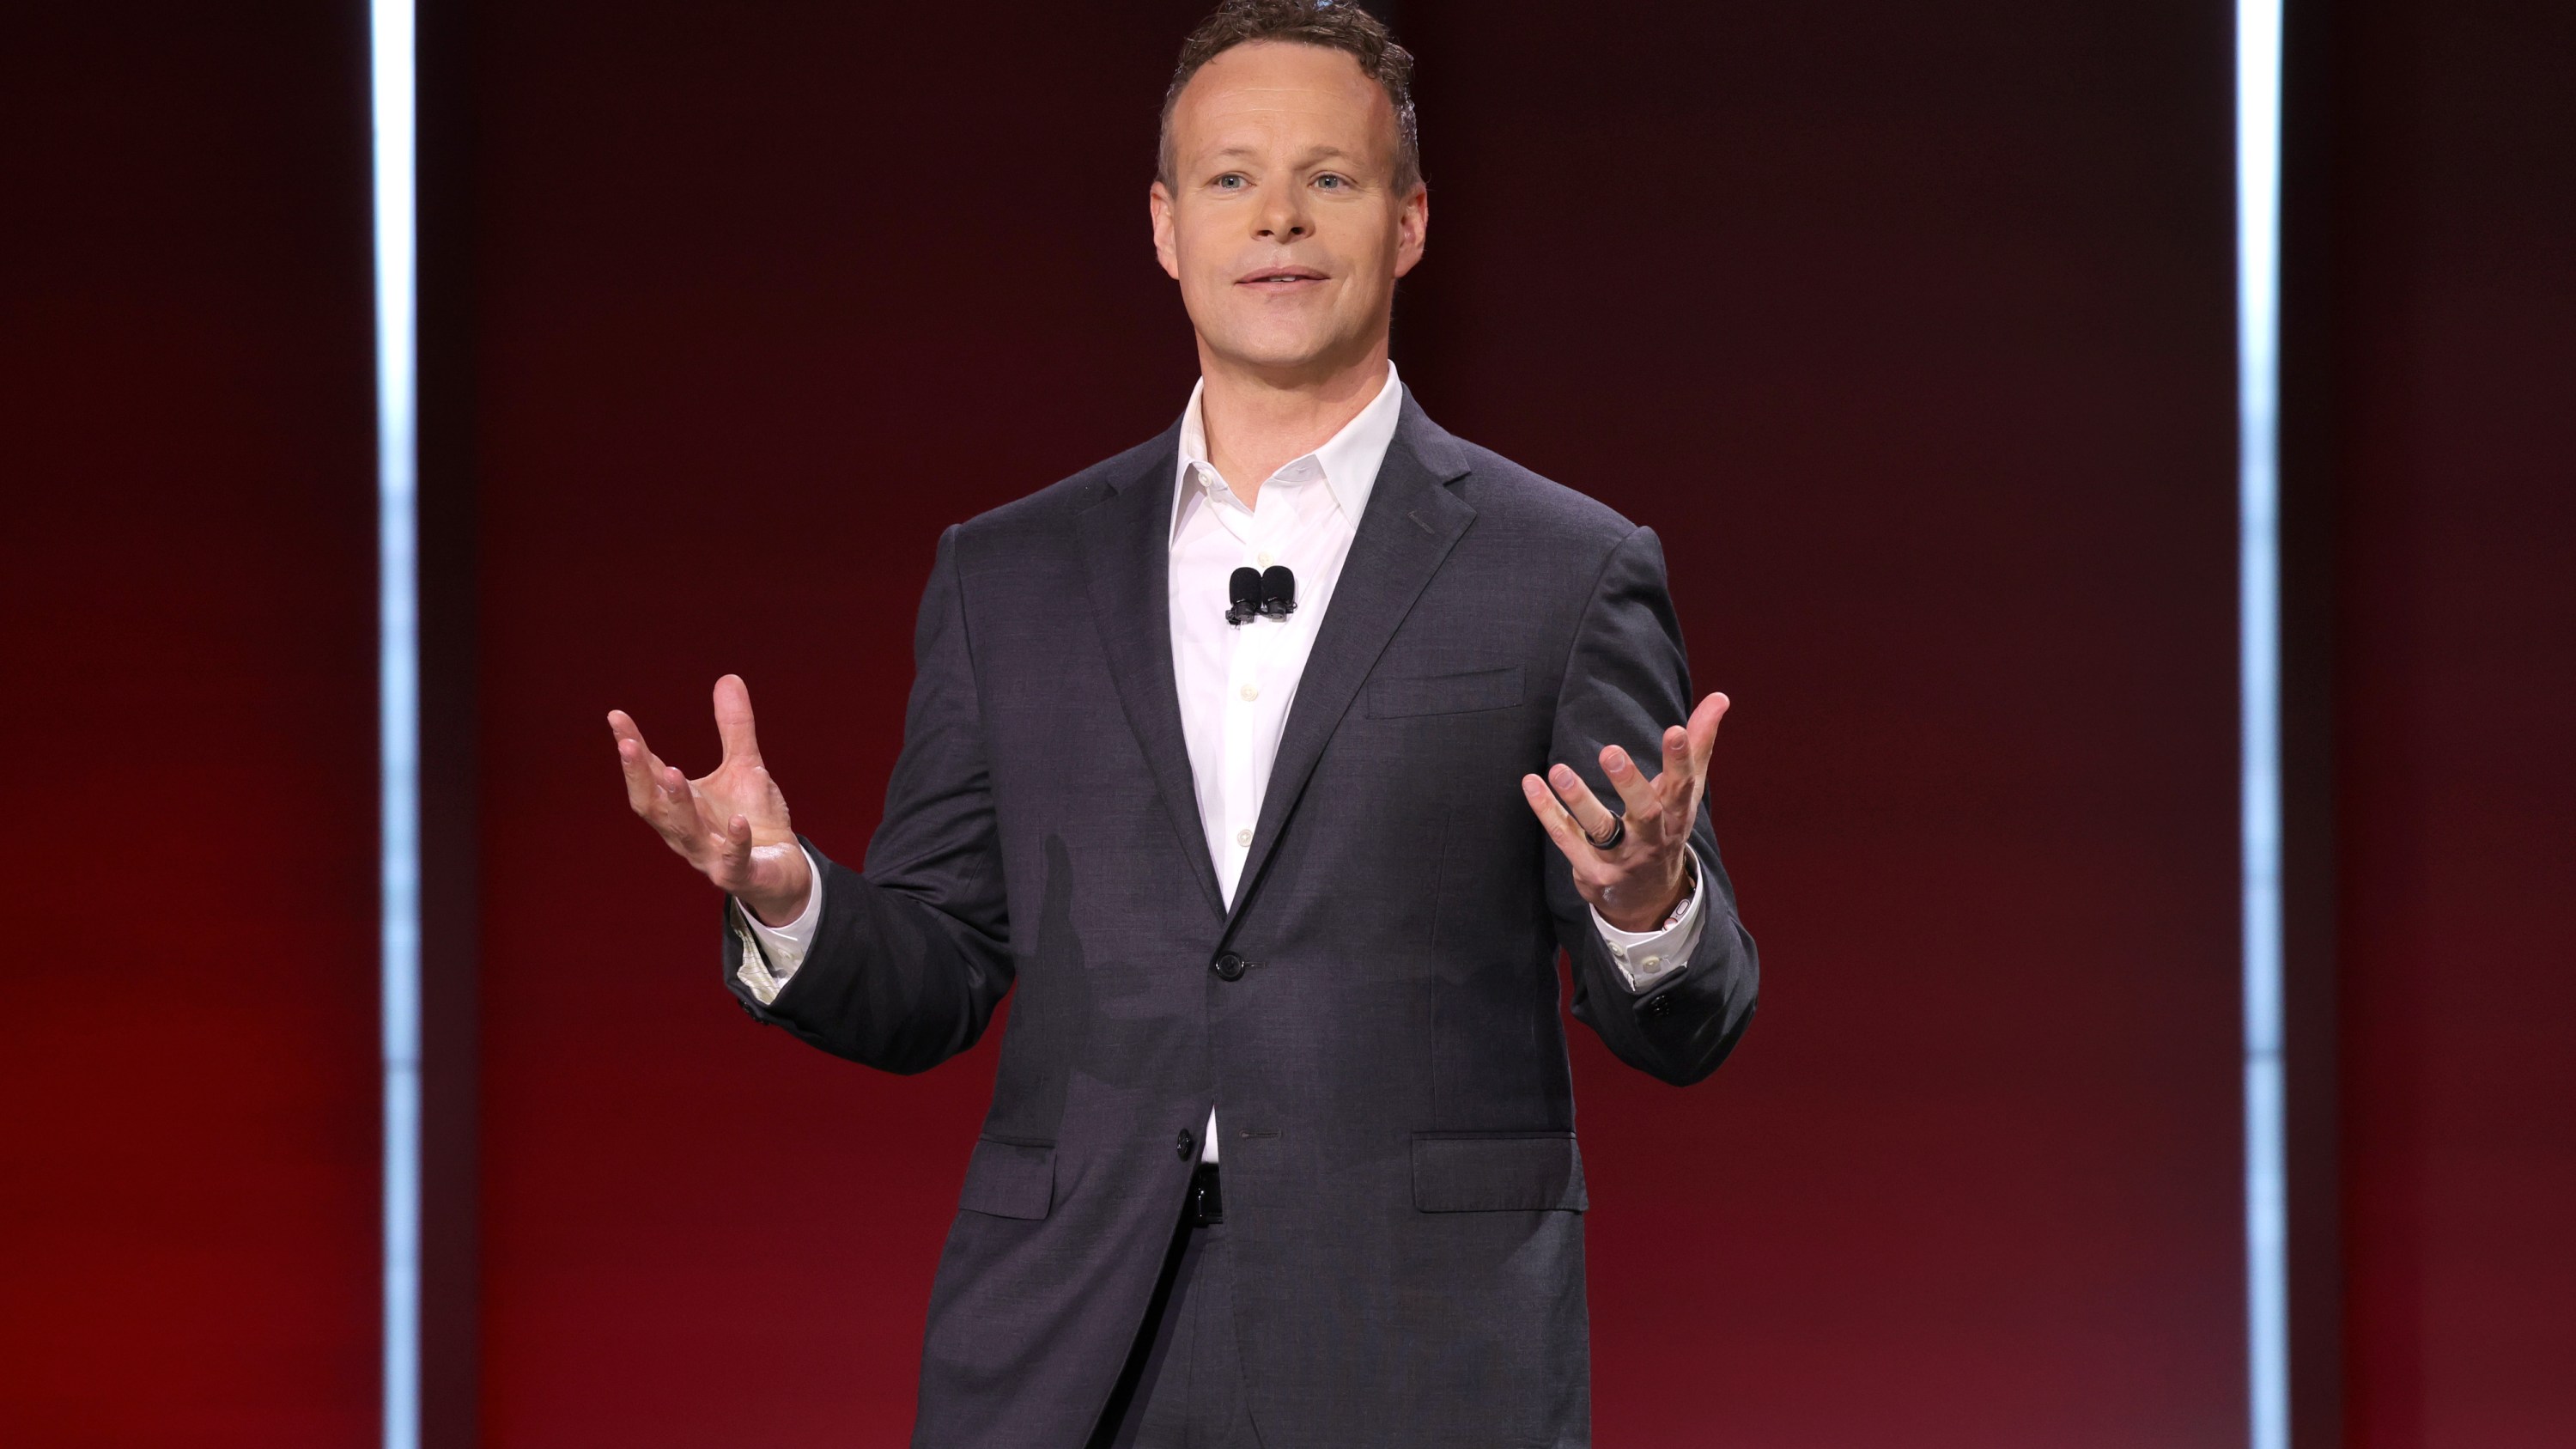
(1658, 915)
(779, 907)
(1668, 914)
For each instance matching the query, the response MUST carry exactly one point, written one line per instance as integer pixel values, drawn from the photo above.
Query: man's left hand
(1640, 877)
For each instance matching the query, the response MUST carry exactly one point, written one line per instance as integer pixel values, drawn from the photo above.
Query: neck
(1259, 421)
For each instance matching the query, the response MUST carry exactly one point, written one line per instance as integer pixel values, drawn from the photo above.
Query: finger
(1687, 749)
(1678, 781)
(661, 795)
(1552, 818)
(622, 729)
(732, 864)
(634, 759)
(1702, 731)
(1590, 814)
(632, 763)
(1677, 755)
(1645, 804)
(675, 812)
(733, 720)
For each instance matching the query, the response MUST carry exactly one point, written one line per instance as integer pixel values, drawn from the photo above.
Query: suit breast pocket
(1009, 1180)
(1474, 689)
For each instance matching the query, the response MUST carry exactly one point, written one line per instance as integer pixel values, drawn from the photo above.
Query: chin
(1273, 350)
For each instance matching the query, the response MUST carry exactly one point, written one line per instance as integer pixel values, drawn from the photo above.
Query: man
(1213, 752)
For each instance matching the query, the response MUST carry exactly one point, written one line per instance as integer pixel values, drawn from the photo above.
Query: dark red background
(1912, 334)
(2453, 279)
(188, 1047)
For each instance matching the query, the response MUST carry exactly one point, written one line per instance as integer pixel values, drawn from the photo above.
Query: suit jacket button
(1183, 1143)
(1658, 1005)
(1229, 966)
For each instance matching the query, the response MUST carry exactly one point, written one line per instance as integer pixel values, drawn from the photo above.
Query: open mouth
(1280, 279)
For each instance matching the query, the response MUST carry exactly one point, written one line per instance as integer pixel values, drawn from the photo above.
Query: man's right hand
(732, 823)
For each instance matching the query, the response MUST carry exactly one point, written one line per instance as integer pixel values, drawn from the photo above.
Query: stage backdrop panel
(1910, 330)
(765, 297)
(1912, 337)
(189, 1155)
(2451, 409)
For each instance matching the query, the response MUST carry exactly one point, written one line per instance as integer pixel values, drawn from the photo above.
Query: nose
(1284, 217)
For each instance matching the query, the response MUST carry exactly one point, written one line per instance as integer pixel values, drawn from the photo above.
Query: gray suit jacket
(1377, 1018)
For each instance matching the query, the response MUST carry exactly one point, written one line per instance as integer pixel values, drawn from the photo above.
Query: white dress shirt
(1236, 681)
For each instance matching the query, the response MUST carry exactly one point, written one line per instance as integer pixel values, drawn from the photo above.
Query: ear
(1412, 227)
(1158, 203)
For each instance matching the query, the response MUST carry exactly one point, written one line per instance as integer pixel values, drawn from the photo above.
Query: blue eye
(1230, 182)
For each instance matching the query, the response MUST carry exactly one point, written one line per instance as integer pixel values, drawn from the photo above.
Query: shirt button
(1651, 962)
(1266, 559)
(1243, 837)
(1250, 692)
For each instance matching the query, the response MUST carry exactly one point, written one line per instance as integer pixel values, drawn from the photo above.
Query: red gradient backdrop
(1909, 331)
(188, 1155)
(2454, 275)
(1912, 335)
(757, 313)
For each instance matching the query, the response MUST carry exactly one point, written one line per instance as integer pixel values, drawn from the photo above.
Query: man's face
(1282, 222)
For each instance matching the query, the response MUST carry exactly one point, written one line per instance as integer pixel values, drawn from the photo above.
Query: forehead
(1268, 92)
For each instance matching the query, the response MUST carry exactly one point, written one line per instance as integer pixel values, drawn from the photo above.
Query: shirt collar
(1349, 459)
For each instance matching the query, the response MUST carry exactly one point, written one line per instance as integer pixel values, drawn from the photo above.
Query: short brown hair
(1331, 24)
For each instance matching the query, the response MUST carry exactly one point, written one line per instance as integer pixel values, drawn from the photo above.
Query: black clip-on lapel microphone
(1260, 594)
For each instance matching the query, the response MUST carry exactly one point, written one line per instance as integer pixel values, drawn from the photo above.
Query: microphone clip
(1260, 594)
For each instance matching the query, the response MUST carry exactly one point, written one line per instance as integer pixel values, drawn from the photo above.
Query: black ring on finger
(1618, 832)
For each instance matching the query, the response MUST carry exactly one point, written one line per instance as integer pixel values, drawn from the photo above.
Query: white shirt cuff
(1645, 957)
(771, 954)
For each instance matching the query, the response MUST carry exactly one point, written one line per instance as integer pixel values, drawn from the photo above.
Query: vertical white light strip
(398, 702)
(2258, 321)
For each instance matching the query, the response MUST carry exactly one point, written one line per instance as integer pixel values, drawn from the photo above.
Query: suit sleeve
(1627, 679)
(911, 955)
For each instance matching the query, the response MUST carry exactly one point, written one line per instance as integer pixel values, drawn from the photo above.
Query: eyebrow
(1320, 153)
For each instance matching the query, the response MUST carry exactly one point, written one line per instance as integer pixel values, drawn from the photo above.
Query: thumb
(733, 721)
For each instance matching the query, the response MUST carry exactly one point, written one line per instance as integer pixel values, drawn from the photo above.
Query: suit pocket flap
(1497, 1172)
(1009, 1180)
(1445, 693)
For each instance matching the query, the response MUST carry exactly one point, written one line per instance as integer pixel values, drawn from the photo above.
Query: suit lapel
(1126, 547)
(1411, 522)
